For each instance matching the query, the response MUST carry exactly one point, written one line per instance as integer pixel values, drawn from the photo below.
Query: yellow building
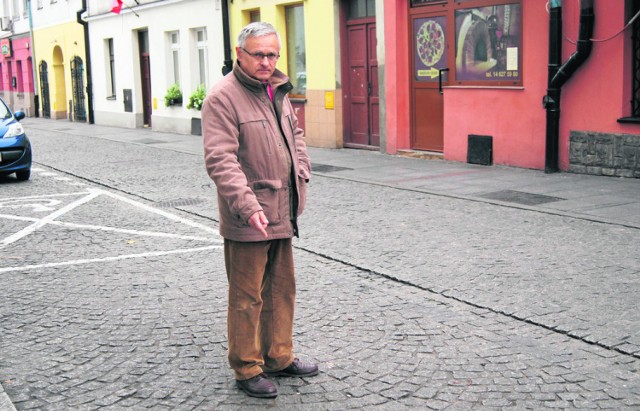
(60, 70)
(310, 40)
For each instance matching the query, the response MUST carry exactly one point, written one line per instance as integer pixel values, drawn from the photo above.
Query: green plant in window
(173, 96)
(196, 99)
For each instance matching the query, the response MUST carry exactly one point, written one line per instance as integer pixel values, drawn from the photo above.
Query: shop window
(111, 69)
(488, 44)
(174, 46)
(296, 50)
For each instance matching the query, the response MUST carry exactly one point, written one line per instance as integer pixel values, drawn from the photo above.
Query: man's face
(257, 67)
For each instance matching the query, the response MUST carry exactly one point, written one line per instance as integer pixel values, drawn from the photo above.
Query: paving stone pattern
(407, 300)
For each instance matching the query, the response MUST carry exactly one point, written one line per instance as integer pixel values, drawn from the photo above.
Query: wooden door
(145, 76)
(429, 72)
(362, 125)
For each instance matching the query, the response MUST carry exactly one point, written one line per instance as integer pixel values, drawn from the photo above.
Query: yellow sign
(329, 100)
(155, 103)
(432, 72)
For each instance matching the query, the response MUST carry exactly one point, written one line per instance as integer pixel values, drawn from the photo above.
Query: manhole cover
(179, 202)
(521, 197)
(326, 168)
(148, 141)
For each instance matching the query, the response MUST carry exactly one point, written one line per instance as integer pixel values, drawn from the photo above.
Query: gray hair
(257, 29)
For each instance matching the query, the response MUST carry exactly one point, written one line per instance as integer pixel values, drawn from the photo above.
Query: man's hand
(259, 222)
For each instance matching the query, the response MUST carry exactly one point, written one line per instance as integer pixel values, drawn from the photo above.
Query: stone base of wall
(323, 126)
(604, 154)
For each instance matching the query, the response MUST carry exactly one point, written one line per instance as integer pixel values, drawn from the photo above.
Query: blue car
(15, 148)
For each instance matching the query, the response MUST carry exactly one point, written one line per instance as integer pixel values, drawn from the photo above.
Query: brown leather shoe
(258, 386)
(297, 368)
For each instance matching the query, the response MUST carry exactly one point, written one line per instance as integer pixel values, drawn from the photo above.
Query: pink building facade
(466, 78)
(16, 78)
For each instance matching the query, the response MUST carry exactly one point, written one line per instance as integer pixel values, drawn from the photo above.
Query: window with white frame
(25, 9)
(201, 51)
(110, 68)
(174, 46)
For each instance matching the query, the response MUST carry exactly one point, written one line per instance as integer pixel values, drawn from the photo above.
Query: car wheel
(23, 175)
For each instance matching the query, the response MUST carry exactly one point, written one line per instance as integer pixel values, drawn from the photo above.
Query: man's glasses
(260, 56)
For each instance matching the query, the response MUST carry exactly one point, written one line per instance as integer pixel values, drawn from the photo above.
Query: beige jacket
(255, 153)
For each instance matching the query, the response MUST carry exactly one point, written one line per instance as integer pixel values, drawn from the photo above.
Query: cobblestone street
(416, 288)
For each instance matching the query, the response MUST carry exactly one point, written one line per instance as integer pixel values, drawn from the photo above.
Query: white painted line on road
(114, 229)
(5, 402)
(107, 259)
(38, 197)
(161, 212)
(46, 220)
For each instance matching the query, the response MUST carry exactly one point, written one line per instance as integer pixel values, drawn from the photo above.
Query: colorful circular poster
(430, 42)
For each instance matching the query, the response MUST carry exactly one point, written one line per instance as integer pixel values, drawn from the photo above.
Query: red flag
(116, 5)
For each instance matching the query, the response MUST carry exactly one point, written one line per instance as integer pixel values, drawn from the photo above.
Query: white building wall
(158, 18)
(48, 13)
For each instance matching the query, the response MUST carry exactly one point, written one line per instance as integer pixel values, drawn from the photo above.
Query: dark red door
(145, 76)
(145, 67)
(362, 125)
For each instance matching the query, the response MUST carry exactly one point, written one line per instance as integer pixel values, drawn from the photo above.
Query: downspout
(87, 52)
(228, 62)
(34, 65)
(559, 75)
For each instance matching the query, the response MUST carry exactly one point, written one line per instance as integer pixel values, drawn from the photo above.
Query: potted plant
(173, 96)
(196, 100)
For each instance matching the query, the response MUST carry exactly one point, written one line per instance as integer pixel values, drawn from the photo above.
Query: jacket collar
(276, 80)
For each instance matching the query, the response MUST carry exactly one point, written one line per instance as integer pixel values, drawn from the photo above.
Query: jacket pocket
(302, 194)
(256, 134)
(268, 194)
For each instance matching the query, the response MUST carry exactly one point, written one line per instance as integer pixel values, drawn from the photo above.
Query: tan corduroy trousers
(262, 293)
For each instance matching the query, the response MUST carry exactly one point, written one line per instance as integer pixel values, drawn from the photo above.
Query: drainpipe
(560, 74)
(228, 62)
(87, 52)
(34, 64)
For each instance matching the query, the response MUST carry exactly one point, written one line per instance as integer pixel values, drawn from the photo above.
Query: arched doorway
(59, 92)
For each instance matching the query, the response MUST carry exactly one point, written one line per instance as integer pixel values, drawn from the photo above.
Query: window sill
(629, 120)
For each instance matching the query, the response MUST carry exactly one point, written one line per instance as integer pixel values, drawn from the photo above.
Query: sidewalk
(597, 198)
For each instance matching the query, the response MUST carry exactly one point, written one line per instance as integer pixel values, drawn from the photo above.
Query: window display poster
(488, 43)
(429, 43)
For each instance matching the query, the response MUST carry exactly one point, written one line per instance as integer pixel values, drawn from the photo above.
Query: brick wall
(604, 154)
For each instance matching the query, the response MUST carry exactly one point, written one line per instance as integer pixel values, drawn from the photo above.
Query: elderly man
(255, 154)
